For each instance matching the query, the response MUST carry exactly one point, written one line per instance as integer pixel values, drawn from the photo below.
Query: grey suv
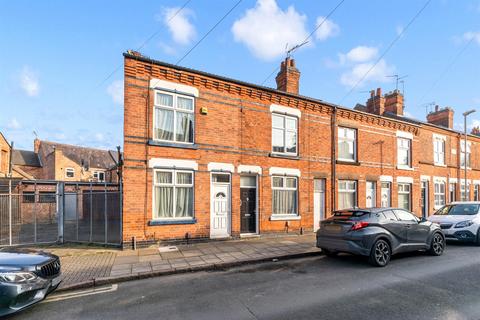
(378, 233)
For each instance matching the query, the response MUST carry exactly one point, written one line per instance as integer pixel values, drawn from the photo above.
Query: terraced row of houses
(211, 157)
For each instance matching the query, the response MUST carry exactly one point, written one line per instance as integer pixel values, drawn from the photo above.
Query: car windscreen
(351, 214)
(464, 209)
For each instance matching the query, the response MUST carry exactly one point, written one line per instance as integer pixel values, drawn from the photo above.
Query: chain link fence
(39, 212)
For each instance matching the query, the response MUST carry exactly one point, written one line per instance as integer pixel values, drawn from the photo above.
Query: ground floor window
(476, 192)
(347, 194)
(453, 192)
(404, 198)
(463, 196)
(284, 195)
(439, 194)
(385, 195)
(173, 194)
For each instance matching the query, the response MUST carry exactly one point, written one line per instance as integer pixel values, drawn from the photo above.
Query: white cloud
(14, 124)
(472, 35)
(167, 49)
(29, 82)
(379, 73)
(115, 90)
(327, 30)
(359, 54)
(179, 24)
(266, 29)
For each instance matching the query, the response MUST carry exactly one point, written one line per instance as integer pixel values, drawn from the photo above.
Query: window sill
(169, 222)
(283, 155)
(440, 165)
(347, 162)
(401, 167)
(284, 217)
(152, 142)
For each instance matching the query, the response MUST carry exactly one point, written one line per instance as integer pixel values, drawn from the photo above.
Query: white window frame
(96, 175)
(439, 197)
(462, 154)
(389, 188)
(285, 130)
(174, 185)
(348, 190)
(348, 140)
(285, 188)
(476, 192)
(175, 109)
(462, 190)
(439, 143)
(409, 150)
(399, 191)
(69, 170)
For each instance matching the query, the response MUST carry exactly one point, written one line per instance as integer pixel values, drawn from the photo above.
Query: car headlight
(17, 277)
(464, 224)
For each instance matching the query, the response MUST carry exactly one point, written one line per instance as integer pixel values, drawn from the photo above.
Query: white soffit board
(386, 178)
(405, 179)
(172, 163)
(249, 169)
(404, 134)
(220, 166)
(284, 171)
(173, 86)
(285, 110)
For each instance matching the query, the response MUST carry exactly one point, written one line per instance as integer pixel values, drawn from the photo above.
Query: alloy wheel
(382, 253)
(438, 244)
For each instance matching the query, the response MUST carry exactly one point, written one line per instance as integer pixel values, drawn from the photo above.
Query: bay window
(439, 194)
(284, 195)
(174, 117)
(173, 194)
(347, 144)
(347, 194)
(404, 197)
(284, 134)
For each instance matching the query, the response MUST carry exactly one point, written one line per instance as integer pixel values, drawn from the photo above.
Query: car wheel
(437, 246)
(380, 254)
(329, 253)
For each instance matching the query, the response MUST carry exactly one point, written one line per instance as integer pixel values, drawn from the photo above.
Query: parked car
(26, 277)
(378, 233)
(459, 221)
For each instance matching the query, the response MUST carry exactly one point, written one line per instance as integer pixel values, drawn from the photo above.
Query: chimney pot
(379, 92)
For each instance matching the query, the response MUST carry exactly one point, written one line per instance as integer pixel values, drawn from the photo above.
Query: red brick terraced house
(212, 157)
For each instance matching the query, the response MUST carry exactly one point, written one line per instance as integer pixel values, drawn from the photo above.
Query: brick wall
(237, 130)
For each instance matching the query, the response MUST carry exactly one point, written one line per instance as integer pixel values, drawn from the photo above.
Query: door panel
(248, 214)
(220, 211)
(395, 227)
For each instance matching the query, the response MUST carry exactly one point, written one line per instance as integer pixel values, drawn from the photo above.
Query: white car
(459, 221)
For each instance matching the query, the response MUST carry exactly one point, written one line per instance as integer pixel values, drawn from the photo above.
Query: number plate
(56, 281)
(333, 227)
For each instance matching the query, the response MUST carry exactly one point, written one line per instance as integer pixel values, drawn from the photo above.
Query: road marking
(83, 293)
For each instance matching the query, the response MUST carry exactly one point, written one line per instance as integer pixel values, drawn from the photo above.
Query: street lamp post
(465, 114)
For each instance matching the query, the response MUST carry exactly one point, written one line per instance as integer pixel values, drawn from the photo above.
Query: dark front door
(248, 210)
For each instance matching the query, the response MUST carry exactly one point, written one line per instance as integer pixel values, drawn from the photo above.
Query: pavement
(413, 286)
(84, 266)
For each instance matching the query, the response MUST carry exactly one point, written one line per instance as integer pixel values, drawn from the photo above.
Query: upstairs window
(438, 151)
(174, 117)
(347, 144)
(99, 176)
(404, 152)
(69, 172)
(462, 154)
(284, 134)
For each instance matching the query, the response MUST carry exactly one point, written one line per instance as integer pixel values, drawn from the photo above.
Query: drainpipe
(10, 160)
(333, 159)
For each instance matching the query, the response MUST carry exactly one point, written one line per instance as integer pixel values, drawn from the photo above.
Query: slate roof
(25, 158)
(83, 156)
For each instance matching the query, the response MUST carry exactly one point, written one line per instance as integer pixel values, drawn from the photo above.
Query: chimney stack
(376, 103)
(288, 77)
(36, 145)
(441, 117)
(476, 131)
(394, 102)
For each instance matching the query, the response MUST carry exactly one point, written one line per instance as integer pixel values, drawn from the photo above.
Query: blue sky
(56, 54)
